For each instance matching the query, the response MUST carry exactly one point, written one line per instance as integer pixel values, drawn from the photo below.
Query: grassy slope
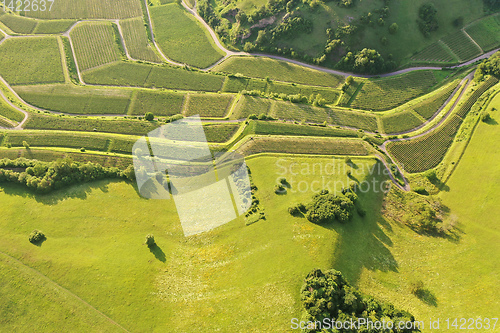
(461, 275)
(182, 38)
(237, 278)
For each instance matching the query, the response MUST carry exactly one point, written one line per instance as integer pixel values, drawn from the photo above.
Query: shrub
(36, 236)
(82, 149)
(295, 209)
(149, 116)
(282, 180)
(416, 287)
(150, 240)
(485, 117)
(420, 190)
(26, 144)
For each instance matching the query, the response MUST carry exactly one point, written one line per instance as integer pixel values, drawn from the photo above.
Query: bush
(150, 240)
(420, 190)
(82, 149)
(26, 144)
(416, 287)
(393, 28)
(282, 180)
(279, 189)
(36, 236)
(485, 117)
(149, 116)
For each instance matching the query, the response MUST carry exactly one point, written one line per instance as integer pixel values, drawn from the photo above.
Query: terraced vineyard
(16, 139)
(177, 33)
(208, 105)
(159, 103)
(9, 112)
(136, 40)
(95, 44)
(465, 107)
(462, 46)
(278, 71)
(384, 94)
(42, 66)
(248, 105)
(275, 128)
(18, 24)
(353, 119)
(426, 152)
(430, 106)
(400, 122)
(298, 112)
(436, 52)
(485, 32)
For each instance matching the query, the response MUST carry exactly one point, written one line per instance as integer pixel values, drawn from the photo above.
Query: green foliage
(427, 22)
(416, 287)
(489, 66)
(18, 23)
(400, 122)
(149, 116)
(326, 207)
(86, 36)
(70, 60)
(485, 117)
(485, 32)
(160, 103)
(47, 139)
(9, 112)
(42, 66)
(431, 105)
(436, 52)
(178, 34)
(150, 240)
(52, 26)
(45, 177)
(327, 295)
(364, 61)
(36, 237)
(393, 28)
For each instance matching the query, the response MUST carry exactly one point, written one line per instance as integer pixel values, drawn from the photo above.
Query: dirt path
(58, 286)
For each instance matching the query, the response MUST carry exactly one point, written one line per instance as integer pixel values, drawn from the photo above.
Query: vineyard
(208, 105)
(304, 145)
(9, 112)
(298, 112)
(220, 132)
(426, 152)
(159, 103)
(278, 71)
(53, 26)
(400, 122)
(436, 52)
(16, 139)
(431, 105)
(95, 44)
(42, 66)
(275, 128)
(354, 119)
(18, 24)
(462, 46)
(178, 34)
(153, 76)
(234, 84)
(283, 88)
(89, 9)
(248, 105)
(465, 107)
(485, 32)
(136, 40)
(76, 100)
(385, 94)
(331, 96)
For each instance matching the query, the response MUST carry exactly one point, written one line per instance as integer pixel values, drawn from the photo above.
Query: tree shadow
(158, 252)
(491, 121)
(40, 242)
(426, 296)
(75, 191)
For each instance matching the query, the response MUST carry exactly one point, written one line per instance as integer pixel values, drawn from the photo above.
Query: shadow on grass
(40, 242)
(427, 297)
(76, 191)
(491, 121)
(158, 252)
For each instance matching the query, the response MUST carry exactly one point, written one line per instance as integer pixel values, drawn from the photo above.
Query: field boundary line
(422, 119)
(64, 63)
(67, 291)
(472, 39)
(122, 39)
(67, 34)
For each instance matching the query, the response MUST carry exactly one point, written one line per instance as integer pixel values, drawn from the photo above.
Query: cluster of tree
(326, 207)
(427, 21)
(36, 237)
(491, 6)
(490, 66)
(206, 11)
(290, 27)
(344, 3)
(47, 176)
(367, 61)
(327, 296)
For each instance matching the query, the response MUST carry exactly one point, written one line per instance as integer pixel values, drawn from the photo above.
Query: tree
(150, 240)
(26, 145)
(149, 116)
(349, 80)
(427, 21)
(486, 117)
(36, 236)
(393, 28)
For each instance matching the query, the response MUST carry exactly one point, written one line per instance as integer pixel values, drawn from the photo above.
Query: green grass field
(485, 32)
(182, 38)
(43, 66)
(142, 75)
(88, 9)
(95, 44)
(76, 99)
(9, 112)
(208, 105)
(459, 274)
(136, 40)
(387, 93)
(277, 70)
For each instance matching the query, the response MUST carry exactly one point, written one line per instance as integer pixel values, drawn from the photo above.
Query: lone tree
(393, 28)
(150, 240)
(149, 116)
(26, 144)
(36, 236)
